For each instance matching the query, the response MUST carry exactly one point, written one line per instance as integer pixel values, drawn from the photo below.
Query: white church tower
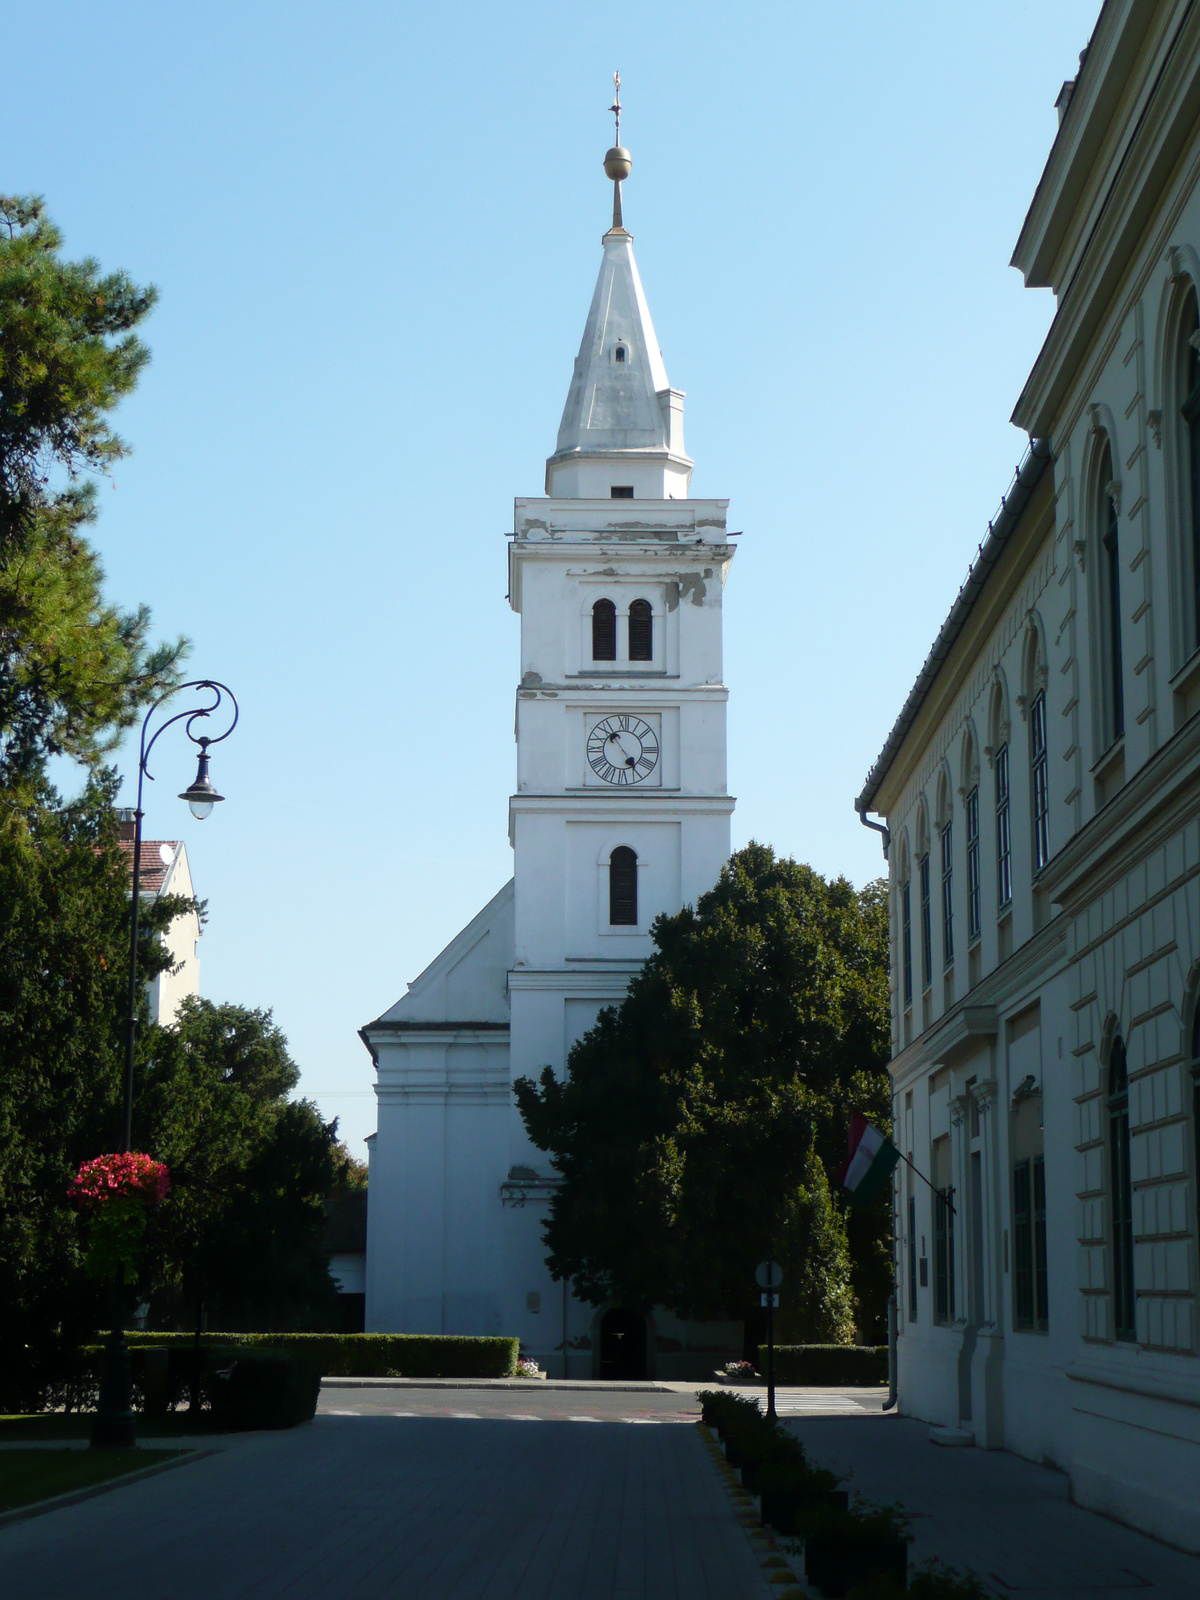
(620, 813)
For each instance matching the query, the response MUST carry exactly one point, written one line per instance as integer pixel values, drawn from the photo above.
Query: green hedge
(374, 1355)
(827, 1365)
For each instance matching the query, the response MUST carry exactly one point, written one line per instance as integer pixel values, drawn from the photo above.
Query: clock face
(622, 750)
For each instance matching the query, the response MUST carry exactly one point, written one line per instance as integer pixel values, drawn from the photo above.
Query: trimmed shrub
(930, 1581)
(372, 1355)
(261, 1387)
(827, 1365)
(847, 1549)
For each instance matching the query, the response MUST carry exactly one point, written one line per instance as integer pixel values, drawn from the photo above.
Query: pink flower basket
(128, 1176)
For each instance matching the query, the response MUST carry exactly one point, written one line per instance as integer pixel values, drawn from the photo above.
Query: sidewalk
(1006, 1519)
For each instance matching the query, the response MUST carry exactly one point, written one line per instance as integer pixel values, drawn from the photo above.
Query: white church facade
(620, 812)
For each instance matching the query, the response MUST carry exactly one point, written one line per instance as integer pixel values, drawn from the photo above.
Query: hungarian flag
(870, 1163)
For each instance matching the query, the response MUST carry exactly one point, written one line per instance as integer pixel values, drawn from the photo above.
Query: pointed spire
(622, 425)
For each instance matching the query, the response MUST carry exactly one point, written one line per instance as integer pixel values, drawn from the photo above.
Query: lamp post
(114, 1426)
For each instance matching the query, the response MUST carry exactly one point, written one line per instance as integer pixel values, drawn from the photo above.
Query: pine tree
(74, 669)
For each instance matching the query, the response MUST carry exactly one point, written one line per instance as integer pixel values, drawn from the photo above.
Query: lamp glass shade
(200, 794)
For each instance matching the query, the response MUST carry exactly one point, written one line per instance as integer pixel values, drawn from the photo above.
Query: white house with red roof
(165, 871)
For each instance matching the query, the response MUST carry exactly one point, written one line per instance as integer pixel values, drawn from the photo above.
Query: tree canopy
(239, 1235)
(251, 1166)
(699, 1120)
(74, 669)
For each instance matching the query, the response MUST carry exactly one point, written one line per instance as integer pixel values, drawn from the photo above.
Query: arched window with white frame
(604, 631)
(1187, 381)
(1120, 1192)
(945, 822)
(904, 953)
(622, 888)
(1108, 599)
(999, 731)
(970, 791)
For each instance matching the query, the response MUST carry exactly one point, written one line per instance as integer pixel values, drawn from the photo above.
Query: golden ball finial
(618, 163)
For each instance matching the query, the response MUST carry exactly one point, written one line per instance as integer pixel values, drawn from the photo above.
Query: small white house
(1042, 791)
(165, 871)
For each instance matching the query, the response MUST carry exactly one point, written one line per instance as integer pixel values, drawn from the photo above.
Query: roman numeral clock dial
(622, 750)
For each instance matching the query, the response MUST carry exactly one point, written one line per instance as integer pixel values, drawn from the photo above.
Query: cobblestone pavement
(1008, 1520)
(419, 1495)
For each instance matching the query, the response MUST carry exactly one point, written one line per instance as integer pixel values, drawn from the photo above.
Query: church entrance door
(622, 1344)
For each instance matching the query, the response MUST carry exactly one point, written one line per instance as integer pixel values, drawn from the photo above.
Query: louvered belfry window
(622, 888)
(641, 631)
(604, 631)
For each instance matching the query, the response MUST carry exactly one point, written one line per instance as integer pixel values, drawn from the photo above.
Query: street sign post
(769, 1275)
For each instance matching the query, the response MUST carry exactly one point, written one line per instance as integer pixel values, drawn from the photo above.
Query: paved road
(419, 1506)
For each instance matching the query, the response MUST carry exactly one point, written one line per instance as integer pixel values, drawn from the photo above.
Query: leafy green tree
(64, 932)
(699, 1120)
(74, 670)
(239, 1236)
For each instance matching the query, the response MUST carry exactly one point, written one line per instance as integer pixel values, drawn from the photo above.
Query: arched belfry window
(1113, 685)
(604, 631)
(641, 631)
(620, 354)
(1189, 373)
(1120, 1190)
(622, 888)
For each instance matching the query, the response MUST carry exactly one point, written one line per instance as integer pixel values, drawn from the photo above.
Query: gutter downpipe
(879, 827)
(892, 1394)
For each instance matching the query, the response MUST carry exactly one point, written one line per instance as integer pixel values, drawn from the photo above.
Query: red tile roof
(154, 866)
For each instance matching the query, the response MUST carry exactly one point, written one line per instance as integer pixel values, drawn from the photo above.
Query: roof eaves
(1000, 529)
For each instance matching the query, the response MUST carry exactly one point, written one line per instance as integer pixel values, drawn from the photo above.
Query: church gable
(468, 981)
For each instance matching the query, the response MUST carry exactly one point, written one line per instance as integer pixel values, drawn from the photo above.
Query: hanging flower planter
(114, 1193)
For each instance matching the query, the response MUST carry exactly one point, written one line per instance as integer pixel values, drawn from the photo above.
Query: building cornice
(586, 805)
(1161, 124)
(1058, 213)
(608, 982)
(1001, 991)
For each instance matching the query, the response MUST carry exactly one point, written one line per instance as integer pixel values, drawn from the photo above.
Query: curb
(528, 1385)
(75, 1496)
(776, 1569)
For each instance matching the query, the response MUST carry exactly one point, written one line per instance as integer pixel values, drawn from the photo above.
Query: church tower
(620, 813)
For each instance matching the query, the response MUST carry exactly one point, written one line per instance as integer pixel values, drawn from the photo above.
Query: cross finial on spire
(617, 163)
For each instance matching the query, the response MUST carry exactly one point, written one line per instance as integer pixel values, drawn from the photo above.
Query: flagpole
(943, 1195)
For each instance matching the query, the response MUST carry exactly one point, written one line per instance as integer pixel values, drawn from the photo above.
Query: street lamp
(114, 1425)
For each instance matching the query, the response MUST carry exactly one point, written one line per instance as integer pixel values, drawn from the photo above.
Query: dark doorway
(622, 1344)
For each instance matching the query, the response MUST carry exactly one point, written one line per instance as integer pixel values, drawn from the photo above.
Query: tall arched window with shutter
(604, 631)
(622, 888)
(641, 631)
(1189, 384)
(1120, 1192)
(1109, 575)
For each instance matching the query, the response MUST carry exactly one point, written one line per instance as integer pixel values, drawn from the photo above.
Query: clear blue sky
(376, 228)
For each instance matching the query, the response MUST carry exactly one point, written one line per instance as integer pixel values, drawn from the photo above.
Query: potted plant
(844, 1549)
(791, 1490)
